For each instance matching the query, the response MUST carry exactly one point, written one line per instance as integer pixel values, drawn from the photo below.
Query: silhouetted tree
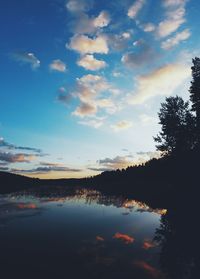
(195, 94)
(177, 122)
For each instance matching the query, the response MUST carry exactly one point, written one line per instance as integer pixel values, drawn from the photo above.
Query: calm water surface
(79, 234)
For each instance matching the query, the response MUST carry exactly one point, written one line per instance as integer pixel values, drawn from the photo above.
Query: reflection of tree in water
(89, 196)
(179, 238)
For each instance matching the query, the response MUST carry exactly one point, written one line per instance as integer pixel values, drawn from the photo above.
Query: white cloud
(148, 27)
(116, 74)
(122, 125)
(118, 41)
(108, 105)
(172, 23)
(102, 20)
(89, 62)
(16, 157)
(90, 86)
(87, 79)
(85, 109)
(175, 40)
(118, 162)
(95, 95)
(88, 90)
(94, 123)
(135, 8)
(143, 157)
(58, 65)
(139, 42)
(126, 35)
(175, 17)
(27, 58)
(147, 119)
(95, 84)
(138, 58)
(77, 6)
(83, 44)
(83, 24)
(172, 3)
(161, 82)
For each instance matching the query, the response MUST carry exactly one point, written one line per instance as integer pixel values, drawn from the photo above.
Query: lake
(78, 234)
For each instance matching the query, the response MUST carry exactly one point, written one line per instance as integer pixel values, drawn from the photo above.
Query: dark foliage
(178, 123)
(195, 95)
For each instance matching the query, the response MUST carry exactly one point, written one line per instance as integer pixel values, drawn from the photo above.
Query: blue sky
(82, 81)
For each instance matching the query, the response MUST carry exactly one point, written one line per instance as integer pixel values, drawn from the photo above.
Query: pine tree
(195, 95)
(177, 122)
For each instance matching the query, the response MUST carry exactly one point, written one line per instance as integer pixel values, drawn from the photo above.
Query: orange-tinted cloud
(148, 244)
(148, 268)
(27, 206)
(124, 237)
(16, 158)
(99, 238)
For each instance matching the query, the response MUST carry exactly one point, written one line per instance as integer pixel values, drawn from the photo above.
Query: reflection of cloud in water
(124, 237)
(155, 273)
(99, 238)
(147, 244)
(142, 207)
(26, 205)
(11, 210)
(62, 194)
(125, 213)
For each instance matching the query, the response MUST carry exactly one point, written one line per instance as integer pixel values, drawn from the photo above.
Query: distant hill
(10, 182)
(156, 181)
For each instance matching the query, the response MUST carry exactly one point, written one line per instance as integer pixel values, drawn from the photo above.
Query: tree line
(180, 120)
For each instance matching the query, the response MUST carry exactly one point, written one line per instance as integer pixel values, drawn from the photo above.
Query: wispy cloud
(175, 17)
(99, 169)
(144, 156)
(16, 158)
(9, 153)
(78, 6)
(174, 3)
(95, 123)
(5, 144)
(135, 8)
(148, 119)
(49, 164)
(160, 82)
(122, 125)
(148, 27)
(4, 168)
(175, 40)
(43, 170)
(143, 54)
(118, 162)
(27, 58)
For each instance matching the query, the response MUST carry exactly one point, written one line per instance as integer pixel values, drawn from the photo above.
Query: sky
(82, 81)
